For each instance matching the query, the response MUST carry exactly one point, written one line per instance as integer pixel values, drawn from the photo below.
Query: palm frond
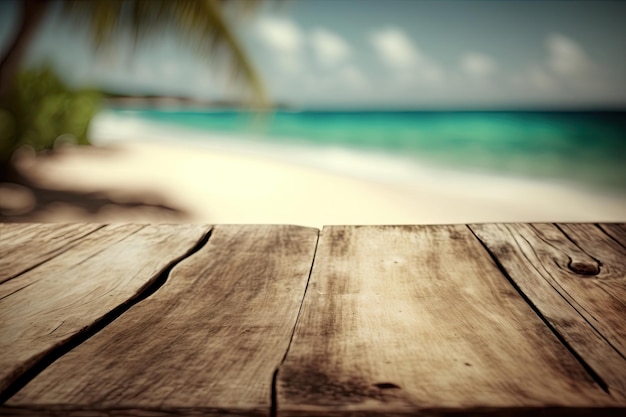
(199, 24)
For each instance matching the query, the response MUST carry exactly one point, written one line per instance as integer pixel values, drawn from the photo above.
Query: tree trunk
(31, 15)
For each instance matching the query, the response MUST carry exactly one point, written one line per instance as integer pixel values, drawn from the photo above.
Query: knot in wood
(585, 268)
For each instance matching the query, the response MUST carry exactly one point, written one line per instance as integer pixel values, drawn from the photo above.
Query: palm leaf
(200, 24)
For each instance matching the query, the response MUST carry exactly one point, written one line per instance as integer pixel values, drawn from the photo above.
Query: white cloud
(566, 65)
(395, 48)
(286, 39)
(566, 57)
(478, 64)
(330, 49)
(280, 34)
(399, 52)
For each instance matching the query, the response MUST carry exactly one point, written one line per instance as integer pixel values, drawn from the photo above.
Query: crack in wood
(273, 390)
(561, 291)
(553, 282)
(54, 253)
(590, 371)
(599, 286)
(57, 352)
(57, 327)
(17, 290)
(581, 268)
(388, 385)
(610, 236)
(93, 255)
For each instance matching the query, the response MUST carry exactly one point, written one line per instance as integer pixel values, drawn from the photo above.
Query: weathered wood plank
(418, 319)
(23, 247)
(207, 342)
(15, 230)
(46, 307)
(616, 230)
(575, 275)
(88, 246)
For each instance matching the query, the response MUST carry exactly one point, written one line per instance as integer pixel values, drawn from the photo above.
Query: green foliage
(40, 111)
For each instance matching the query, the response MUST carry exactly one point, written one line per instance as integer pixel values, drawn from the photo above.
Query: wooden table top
(156, 320)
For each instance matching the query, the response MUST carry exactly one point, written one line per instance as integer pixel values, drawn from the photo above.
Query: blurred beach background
(365, 112)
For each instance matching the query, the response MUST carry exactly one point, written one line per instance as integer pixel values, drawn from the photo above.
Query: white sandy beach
(209, 185)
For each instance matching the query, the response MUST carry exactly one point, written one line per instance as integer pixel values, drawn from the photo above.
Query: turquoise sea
(584, 148)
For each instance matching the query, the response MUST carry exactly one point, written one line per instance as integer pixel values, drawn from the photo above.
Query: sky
(377, 53)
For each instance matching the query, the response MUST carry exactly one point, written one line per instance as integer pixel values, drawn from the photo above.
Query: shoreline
(173, 183)
(111, 127)
(142, 172)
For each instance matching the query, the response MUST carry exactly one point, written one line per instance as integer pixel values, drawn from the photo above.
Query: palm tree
(199, 22)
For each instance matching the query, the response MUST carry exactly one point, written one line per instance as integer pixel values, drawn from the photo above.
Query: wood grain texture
(616, 230)
(23, 247)
(47, 306)
(419, 320)
(207, 342)
(575, 275)
(88, 246)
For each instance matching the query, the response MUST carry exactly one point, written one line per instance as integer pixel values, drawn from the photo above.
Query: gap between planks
(279, 237)
(304, 386)
(146, 292)
(593, 374)
(572, 275)
(274, 392)
(80, 337)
